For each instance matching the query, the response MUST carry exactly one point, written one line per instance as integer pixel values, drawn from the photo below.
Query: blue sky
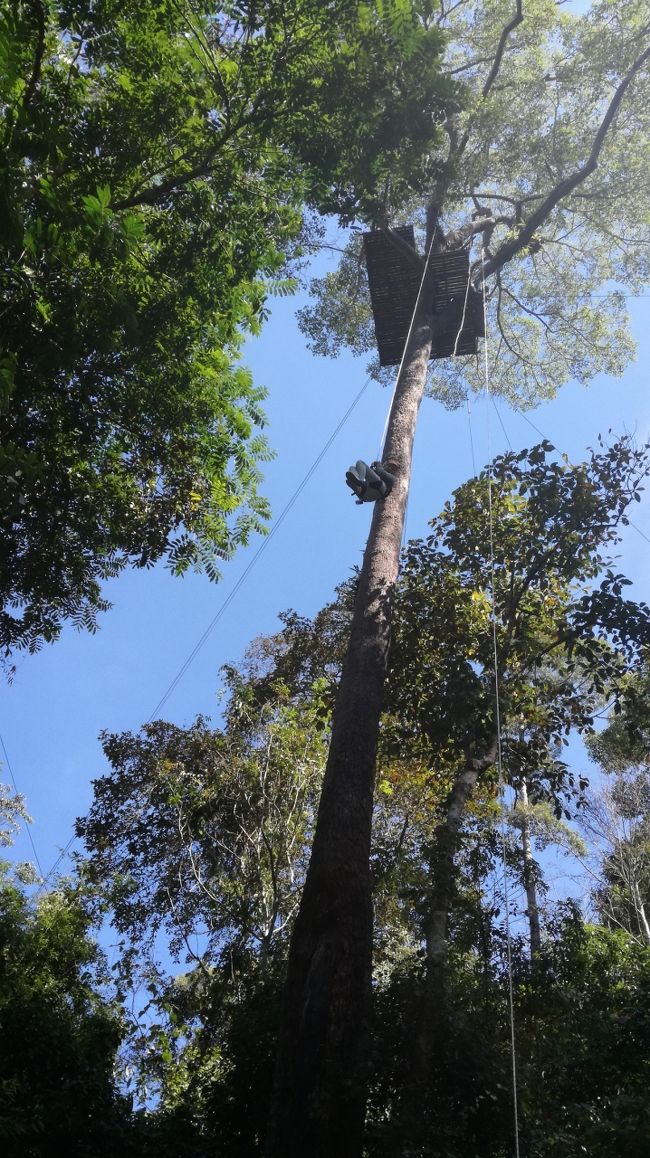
(61, 698)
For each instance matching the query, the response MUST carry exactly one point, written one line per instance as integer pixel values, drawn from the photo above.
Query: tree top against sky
(546, 164)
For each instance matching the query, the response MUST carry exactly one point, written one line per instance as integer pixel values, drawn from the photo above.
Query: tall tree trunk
(442, 872)
(530, 877)
(441, 863)
(319, 1100)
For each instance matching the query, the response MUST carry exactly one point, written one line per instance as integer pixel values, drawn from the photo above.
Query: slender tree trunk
(530, 877)
(441, 864)
(641, 913)
(443, 851)
(442, 872)
(429, 1033)
(319, 1100)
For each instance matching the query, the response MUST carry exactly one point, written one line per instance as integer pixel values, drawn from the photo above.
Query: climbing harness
(370, 483)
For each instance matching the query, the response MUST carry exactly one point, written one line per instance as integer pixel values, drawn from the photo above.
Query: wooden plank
(394, 284)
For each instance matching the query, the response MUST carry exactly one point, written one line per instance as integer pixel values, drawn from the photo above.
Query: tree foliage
(156, 164)
(580, 1019)
(60, 1031)
(617, 820)
(202, 832)
(522, 156)
(525, 548)
(199, 834)
(545, 166)
(12, 811)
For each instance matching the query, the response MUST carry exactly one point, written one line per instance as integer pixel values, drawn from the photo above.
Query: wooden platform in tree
(394, 283)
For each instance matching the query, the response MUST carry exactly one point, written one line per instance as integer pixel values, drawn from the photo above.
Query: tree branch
(527, 310)
(494, 71)
(513, 246)
(470, 64)
(480, 225)
(482, 763)
(446, 12)
(205, 46)
(154, 193)
(39, 12)
(411, 255)
(516, 201)
(501, 47)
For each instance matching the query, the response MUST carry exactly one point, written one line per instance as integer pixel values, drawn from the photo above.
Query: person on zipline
(370, 483)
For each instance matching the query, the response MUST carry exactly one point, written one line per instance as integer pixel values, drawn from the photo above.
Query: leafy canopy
(546, 166)
(156, 163)
(566, 635)
(61, 1029)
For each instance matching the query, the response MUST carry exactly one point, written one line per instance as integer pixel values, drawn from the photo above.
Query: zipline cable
(501, 423)
(243, 577)
(495, 657)
(471, 436)
(52, 870)
(13, 781)
(238, 585)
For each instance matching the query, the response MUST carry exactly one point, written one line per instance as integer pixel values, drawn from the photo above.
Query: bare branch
(527, 309)
(484, 224)
(446, 12)
(516, 201)
(494, 71)
(514, 245)
(200, 961)
(501, 47)
(470, 64)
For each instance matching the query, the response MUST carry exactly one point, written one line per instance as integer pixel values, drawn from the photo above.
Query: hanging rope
(495, 659)
(460, 330)
(411, 324)
(471, 436)
(462, 320)
(243, 577)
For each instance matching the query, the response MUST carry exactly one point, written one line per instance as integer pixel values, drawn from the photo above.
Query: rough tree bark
(319, 1100)
(530, 877)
